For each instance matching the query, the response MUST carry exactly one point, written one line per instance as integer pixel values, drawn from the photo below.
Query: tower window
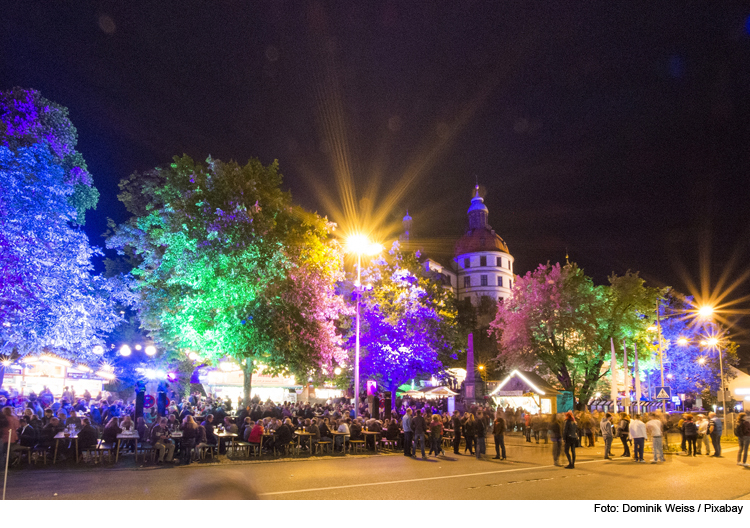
(499, 262)
(467, 282)
(467, 263)
(499, 280)
(482, 261)
(483, 280)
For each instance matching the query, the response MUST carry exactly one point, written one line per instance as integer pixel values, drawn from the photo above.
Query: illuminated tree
(691, 365)
(49, 297)
(557, 319)
(229, 268)
(408, 321)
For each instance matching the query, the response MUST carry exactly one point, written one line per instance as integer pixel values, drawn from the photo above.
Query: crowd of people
(189, 425)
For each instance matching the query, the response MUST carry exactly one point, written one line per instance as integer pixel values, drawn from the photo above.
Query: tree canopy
(49, 296)
(408, 320)
(559, 321)
(228, 267)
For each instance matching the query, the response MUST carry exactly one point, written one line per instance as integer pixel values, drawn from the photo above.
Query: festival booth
(34, 373)
(739, 389)
(230, 384)
(526, 390)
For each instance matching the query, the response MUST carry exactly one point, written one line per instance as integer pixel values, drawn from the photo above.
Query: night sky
(616, 131)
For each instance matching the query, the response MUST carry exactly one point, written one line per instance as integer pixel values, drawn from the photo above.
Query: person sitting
(189, 434)
(73, 420)
(356, 430)
(229, 426)
(393, 430)
(88, 436)
(111, 430)
(142, 429)
(161, 442)
(208, 423)
(376, 427)
(49, 431)
(255, 433)
(283, 435)
(27, 436)
(172, 423)
(342, 441)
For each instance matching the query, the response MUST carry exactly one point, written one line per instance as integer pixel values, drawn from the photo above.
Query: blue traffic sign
(663, 393)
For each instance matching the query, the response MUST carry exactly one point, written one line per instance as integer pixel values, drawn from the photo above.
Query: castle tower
(481, 258)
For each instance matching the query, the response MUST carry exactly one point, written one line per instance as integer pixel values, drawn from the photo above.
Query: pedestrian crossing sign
(663, 393)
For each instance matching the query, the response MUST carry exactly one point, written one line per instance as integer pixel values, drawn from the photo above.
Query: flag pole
(637, 376)
(7, 459)
(613, 378)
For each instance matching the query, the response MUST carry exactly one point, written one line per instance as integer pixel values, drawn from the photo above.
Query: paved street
(528, 474)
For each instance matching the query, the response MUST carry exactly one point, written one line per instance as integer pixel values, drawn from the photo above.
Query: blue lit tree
(49, 297)
(407, 329)
(691, 366)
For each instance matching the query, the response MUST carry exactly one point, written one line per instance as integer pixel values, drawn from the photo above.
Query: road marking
(405, 481)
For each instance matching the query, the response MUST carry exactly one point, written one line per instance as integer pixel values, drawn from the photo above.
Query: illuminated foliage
(690, 365)
(49, 297)
(558, 320)
(408, 321)
(229, 268)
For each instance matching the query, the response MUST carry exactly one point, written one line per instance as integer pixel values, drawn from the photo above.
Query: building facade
(482, 265)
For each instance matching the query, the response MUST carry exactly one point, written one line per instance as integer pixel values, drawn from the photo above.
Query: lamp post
(359, 245)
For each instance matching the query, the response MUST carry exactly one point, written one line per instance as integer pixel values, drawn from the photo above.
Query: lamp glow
(712, 342)
(361, 245)
(683, 341)
(337, 371)
(706, 311)
(150, 350)
(125, 351)
(99, 350)
(193, 356)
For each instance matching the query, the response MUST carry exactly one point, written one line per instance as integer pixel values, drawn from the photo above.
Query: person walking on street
(623, 429)
(638, 435)
(498, 431)
(570, 436)
(527, 426)
(715, 428)
(607, 435)
(456, 421)
(555, 436)
(654, 429)
(481, 431)
(742, 431)
(406, 425)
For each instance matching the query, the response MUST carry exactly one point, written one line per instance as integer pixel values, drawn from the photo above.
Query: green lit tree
(228, 267)
(559, 321)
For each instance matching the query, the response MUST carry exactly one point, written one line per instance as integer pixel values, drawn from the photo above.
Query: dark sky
(616, 130)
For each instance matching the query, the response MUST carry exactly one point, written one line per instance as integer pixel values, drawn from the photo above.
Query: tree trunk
(248, 381)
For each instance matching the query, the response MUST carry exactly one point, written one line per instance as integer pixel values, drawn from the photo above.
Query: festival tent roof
(526, 382)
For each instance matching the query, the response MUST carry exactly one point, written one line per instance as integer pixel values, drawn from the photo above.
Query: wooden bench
(356, 445)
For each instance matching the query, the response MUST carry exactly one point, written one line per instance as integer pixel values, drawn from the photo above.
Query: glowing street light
(150, 350)
(706, 311)
(99, 350)
(337, 371)
(702, 361)
(359, 245)
(712, 341)
(125, 351)
(683, 341)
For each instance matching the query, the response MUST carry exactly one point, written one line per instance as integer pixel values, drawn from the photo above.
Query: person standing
(570, 436)
(456, 421)
(690, 435)
(703, 437)
(469, 432)
(715, 428)
(637, 433)
(419, 430)
(527, 426)
(654, 428)
(481, 432)
(498, 432)
(407, 426)
(623, 428)
(607, 435)
(742, 431)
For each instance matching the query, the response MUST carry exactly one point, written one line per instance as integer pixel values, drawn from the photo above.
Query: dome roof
(477, 203)
(480, 239)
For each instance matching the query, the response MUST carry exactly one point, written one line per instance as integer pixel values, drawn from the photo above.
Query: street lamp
(359, 245)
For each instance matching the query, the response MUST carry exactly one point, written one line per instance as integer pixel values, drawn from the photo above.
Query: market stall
(526, 390)
(34, 373)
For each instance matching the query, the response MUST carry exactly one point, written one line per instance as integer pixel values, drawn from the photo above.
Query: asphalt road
(527, 474)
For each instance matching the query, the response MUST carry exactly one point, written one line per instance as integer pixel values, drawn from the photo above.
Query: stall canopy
(526, 390)
(437, 392)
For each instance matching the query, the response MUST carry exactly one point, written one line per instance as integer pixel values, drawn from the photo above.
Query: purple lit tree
(49, 297)
(407, 328)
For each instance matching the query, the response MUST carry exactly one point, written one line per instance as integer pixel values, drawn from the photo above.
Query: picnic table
(62, 436)
(224, 435)
(300, 434)
(373, 433)
(125, 435)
